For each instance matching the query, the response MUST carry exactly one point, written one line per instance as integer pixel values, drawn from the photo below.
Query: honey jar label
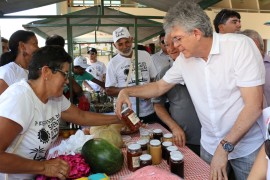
(136, 162)
(133, 118)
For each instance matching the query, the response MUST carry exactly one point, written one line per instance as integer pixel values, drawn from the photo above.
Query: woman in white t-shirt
(30, 112)
(22, 44)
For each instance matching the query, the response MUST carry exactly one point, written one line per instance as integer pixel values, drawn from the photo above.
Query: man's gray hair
(255, 36)
(188, 15)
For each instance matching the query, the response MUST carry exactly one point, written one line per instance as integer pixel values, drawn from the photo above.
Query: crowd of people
(208, 88)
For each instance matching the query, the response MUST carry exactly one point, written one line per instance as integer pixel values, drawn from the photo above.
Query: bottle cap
(144, 133)
(175, 152)
(124, 110)
(142, 141)
(168, 135)
(157, 131)
(134, 146)
(167, 143)
(177, 157)
(172, 148)
(145, 157)
(155, 142)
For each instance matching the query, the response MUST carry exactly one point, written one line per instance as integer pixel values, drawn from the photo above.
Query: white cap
(119, 33)
(80, 61)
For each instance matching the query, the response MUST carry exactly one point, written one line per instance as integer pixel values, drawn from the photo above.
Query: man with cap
(80, 75)
(96, 69)
(227, 21)
(121, 72)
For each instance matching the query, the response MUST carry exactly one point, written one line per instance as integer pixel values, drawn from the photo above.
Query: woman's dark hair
(5, 58)
(55, 40)
(52, 56)
(15, 38)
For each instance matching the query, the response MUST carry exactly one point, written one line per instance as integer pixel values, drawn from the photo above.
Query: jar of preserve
(177, 164)
(145, 160)
(167, 137)
(145, 135)
(157, 134)
(144, 144)
(168, 150)
(164, 147)
(155, 151)
(133, 156)
(131, 119)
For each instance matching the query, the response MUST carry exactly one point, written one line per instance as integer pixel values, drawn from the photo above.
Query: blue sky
(8, 26)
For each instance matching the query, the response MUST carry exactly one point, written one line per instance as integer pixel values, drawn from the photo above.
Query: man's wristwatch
(227, 146)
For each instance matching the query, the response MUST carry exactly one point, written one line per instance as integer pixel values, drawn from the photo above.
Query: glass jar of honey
(144, 145)
(167, 137)
(134, 152)
(177, 164)
(145, 160)
(155, 151)
(164, 148)
(131, 119)
(157, 134)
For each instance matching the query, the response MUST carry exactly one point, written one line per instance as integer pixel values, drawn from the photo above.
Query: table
(194, 167)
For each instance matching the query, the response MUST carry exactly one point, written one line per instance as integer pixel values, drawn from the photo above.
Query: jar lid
(167, 143)
(134, 146)
(125, 109)
(175, 152)
(155, 142)
(172, 148)
(157, 131)
(168, 135)
(145, 157)
(144, 133)
(177, 157)
(142, 141)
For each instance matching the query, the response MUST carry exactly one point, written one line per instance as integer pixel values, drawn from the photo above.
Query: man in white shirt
(161, 59)
(224, 75)
(227, 21)
(121, 72)
(97, 69)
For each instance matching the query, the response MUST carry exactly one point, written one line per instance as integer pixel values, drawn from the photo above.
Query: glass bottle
(145, 135)
(168, 150)
(157, 134)
(131, 119)
(145, 160)
(167, 137)
(164, 147)
(133, 156)
(177, 164)
(144, 144)
(155, 151)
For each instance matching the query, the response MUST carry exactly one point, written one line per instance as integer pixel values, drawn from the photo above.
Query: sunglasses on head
(267, 142)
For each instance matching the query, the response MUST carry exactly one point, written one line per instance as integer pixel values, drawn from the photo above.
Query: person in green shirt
(80, 75)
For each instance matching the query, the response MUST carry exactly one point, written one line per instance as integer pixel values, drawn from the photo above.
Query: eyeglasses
(54, 70)
(65, 74)
(267, 142)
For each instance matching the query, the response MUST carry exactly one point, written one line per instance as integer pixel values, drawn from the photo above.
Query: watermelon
(102, 156)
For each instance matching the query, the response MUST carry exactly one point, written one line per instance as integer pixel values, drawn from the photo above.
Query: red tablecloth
(194, 167)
